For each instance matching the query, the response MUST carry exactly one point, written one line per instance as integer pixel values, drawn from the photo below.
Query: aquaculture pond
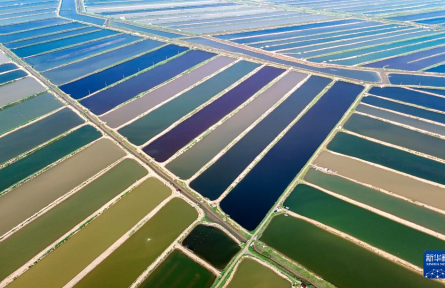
(25, 167)
(12, 75)
(335, 258)
(100, 80)
(215, 180)
(34, 195)
(25, 111)
(31, 25)
(415, 80)
(212, 245)
(390, 157)
(386, 234)
(108, 99)
(7, 67)
(145, 30)
(75, 70)
(61, 43)
(410, 96)
(22, 140)
(51, 37)
(69, 259)
(61, 57)
(382, 201)
(396, 135)
(148, 126)
(405, 109)
(27, 34)
(130, 259)
(18, 90)
(394, 182)
(165, 146)
(129, 111)
(20, 247)
(179, 271)
(189, 162)
(255, 195)
(402, 119)
(250, 273)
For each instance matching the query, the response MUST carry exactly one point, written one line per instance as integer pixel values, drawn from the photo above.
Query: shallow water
(179, 271)
(75, 70)
(335, 259)
(396, 135)
(25, 167)
(381, 178)
(19, 89)
(37, 235)
(389, 157)
(390, 236)
(69, 259)
(384, 202)
(26, 138)
(250, 273)
(212, 245)
(128, 261)
(26, 200)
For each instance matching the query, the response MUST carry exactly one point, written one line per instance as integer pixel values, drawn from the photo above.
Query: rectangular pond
(148, 126)
(18, 90)
(382, 201)
(335, 258)
(58, 44)
(43, 157)
(396, 183)
(218, 177)
(129, 111)
(12, 75)
(36, 236)
(112, 97)
(178, 271)
(212, 245)
(29, 198)
(250, 273)
(16, 115)
(414, 80)
(65, 56)
(32, 25)
(165, 146)
(189, 162)
(389, 157)
(130, 259)
(22, 140)
(264, 184)
(69, 259)
(405, 109)
(75, 70)
(396, 135)
(100, 80)
(416, 123)
(383, 233)
(28, 34)
(410, 96)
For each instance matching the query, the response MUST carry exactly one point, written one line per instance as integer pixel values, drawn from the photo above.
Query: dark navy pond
(112, 97)
(165, 146)
(215, 180)
(255, 195)
(93, 83)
